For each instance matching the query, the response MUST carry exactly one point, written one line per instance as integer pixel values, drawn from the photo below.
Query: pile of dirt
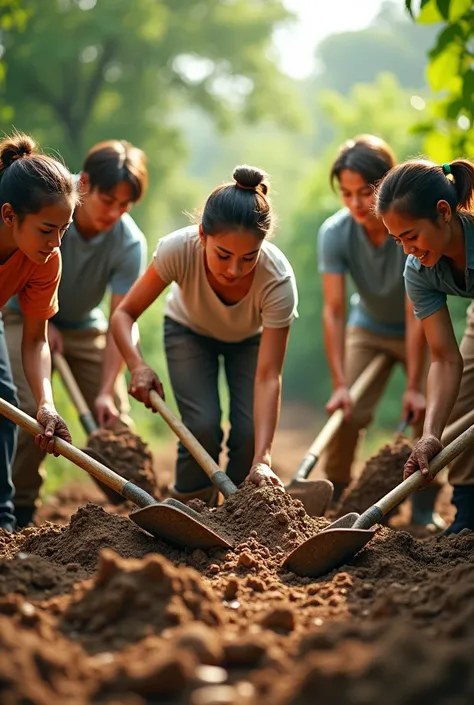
(381, 474)
(279, 521)
(127, 454)
(130, 599)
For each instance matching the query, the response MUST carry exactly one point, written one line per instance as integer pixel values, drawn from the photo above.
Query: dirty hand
(425, 449)
(53, 425)
(340, 399)
(107, 412)
(414, 405)
(261, 474)
(143, 380)
(55, 339)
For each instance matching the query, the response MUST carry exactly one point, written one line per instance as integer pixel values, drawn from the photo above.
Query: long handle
(333, 424)
(85, 416)
(457, 427)
(93, 467)
(374, 513)
(212, 470)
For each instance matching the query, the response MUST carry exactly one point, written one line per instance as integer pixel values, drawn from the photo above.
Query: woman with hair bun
(37, 200)
(429, 211)
(233, 297)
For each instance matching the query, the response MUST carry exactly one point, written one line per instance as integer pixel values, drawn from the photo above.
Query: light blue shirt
(428, 287)
(377, 273)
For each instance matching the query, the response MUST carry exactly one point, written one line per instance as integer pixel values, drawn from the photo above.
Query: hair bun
(250, 177)
(19, 145)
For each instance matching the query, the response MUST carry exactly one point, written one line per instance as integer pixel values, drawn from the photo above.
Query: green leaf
(443, 7)
(409, 9)
(458, 8)
(429, 13)
(438, 147)
(443, 71)
(453, 108)
(447, 36)
(468, 90)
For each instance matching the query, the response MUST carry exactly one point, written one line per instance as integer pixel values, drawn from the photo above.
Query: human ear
(444, 210)
(202, 237)
(8, 215)
(84, 183)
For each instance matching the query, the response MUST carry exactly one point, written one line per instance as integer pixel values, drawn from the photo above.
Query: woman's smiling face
(426, 239)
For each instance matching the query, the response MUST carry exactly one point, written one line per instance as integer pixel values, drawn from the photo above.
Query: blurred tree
(94, 69)
(12, 15)
(449, 132)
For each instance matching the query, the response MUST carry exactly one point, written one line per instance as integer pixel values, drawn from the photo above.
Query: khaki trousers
(83, 350)
(361, 347)
(461, 470)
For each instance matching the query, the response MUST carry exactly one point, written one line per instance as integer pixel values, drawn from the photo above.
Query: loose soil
(96, 611)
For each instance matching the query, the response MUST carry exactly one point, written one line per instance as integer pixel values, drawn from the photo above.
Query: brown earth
(96, 611)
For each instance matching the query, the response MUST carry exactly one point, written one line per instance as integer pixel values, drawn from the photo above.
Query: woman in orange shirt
(37, 200)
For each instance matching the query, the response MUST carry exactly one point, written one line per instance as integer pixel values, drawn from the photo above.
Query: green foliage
(450, 75)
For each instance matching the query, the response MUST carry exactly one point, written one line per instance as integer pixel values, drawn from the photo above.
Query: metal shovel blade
(177, 524)
(327, 550)
(315, 494)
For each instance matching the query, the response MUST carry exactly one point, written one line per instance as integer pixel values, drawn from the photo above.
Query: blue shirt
(377, 273)
(109, 262)
(428, 287)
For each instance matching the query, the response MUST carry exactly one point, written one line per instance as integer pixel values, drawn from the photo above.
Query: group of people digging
(232, 297)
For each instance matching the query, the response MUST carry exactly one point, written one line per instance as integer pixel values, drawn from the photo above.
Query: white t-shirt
(270, 303)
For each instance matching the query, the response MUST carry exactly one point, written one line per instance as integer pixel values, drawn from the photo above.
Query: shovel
(317, 495)
(86, 418)
(169, 520)
(348, 535)
(218, 478)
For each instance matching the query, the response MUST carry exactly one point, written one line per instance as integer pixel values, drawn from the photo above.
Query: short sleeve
(39, 297)
(169, 258)
(130, 263)
(331, 256)
(425, 298)
(280, 304)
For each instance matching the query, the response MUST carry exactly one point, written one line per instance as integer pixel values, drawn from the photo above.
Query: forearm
(125, 336)
(36, 359)
(112, 365)
(416, 350)
(334, 342)
(266, 410)
(444, 379)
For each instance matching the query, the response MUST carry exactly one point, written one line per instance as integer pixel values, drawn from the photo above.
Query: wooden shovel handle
(412, 483)
(333, 424)
(93, 467)
(457, 427)
(85, 416)
(212, 470)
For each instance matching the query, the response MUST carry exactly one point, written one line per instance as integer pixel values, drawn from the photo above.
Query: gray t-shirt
(110, 262)
(427, 287)
(271, 301)
(377, 273)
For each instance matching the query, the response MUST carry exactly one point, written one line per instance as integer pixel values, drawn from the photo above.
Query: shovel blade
(345, 522)
(315, 495)
(179, 525)
(327, 550)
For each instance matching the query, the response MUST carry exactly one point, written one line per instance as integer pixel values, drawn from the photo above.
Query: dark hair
(368, 155)
(241, 204)
(110, 162)
(416, 187)
(29, 181)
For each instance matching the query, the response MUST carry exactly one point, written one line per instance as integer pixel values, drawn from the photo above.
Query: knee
(208, 432)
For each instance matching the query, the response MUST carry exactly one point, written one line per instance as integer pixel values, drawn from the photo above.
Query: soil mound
(381, 474)
(130, 599)
(37, 578)
(274, 517)
(127, 454)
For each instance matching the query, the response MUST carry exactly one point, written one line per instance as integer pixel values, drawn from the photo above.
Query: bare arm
(36, 358)
(267, 390)
(416, 350)
(122, 323)
(334, 325)
(444, 377)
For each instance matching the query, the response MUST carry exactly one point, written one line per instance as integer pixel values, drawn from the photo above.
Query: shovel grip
(189, 441)
(415, 481)
(85, 416)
